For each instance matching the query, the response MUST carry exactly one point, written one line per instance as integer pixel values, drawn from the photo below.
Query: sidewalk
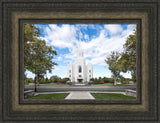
(79, 95)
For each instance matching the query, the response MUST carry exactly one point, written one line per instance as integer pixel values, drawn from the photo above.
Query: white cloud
(113, 28)
(111, 38)
(86, 37)
(58, 70)
(29, 74)
(61, 44)
(61, 37)
(126, 75)
(95, 49)
(59, 58)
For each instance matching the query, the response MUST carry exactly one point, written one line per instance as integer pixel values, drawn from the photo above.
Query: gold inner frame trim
(78, 15)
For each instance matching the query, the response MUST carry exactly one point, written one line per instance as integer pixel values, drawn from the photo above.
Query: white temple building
(80, 73)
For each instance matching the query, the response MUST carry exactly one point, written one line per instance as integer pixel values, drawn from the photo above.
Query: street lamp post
(35, 89)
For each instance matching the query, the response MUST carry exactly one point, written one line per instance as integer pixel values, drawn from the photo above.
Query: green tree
(92, 79)
(112, 61)
(107, 80)
(28, 80)
(100, 78)
(66, 79)
(95, 79)
(127, 61)
(42, 79)
(55, 78)
(30, 32)
(38, 57)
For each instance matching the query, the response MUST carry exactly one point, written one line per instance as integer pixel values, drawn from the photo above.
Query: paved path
(79, 95)
(80, 88)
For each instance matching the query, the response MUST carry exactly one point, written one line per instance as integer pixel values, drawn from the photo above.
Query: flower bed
(98, 82)
(63, 82)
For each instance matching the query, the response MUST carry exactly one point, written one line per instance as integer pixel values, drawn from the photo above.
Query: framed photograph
(79, 61)
(80, 69)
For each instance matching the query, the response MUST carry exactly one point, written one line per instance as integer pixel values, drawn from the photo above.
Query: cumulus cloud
(110, 38)
(59, 58)
(96, 44)
(61, 37)
(29, 74)
(59, 70)
(98, 48)
(113, 28)
(86, 37)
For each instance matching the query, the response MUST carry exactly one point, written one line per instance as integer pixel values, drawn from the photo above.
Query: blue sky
(97, 41)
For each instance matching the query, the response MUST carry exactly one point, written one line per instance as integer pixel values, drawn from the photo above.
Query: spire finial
(80, 39)
(80, 53)
(80, 34)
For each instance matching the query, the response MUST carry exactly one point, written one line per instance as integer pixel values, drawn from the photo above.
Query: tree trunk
(38, 80)
(115, 82)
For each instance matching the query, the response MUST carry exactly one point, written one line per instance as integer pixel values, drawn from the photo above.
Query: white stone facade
(80, 73)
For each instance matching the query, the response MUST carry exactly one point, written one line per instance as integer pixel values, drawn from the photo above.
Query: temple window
(80, 69)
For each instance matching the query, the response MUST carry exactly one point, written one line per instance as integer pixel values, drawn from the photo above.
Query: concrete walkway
(79, 88)
(79, 95)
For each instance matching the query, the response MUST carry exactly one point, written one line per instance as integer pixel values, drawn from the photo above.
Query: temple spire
(80, 53)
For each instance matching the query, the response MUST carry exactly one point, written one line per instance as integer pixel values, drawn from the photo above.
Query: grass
(31, 84)
(111, 96)
(60, 96)
(49, 96)
(127, 84)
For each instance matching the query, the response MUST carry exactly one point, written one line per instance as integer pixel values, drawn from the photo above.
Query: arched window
(89, 71)
(80, 69)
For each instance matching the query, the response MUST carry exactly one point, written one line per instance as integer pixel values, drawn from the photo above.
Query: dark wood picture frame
(14, 12)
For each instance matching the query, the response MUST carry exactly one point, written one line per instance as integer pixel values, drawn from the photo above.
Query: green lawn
(126, 84)
(49, 96)
(31, 84)
(111, 96)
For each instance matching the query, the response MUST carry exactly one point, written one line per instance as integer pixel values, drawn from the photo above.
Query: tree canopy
(112, 61)
(125, 61)
(38, 56)
(128, 57)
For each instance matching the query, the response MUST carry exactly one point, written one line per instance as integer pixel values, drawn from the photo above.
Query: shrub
(62, 82)
(29, 80)
(98, 82)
